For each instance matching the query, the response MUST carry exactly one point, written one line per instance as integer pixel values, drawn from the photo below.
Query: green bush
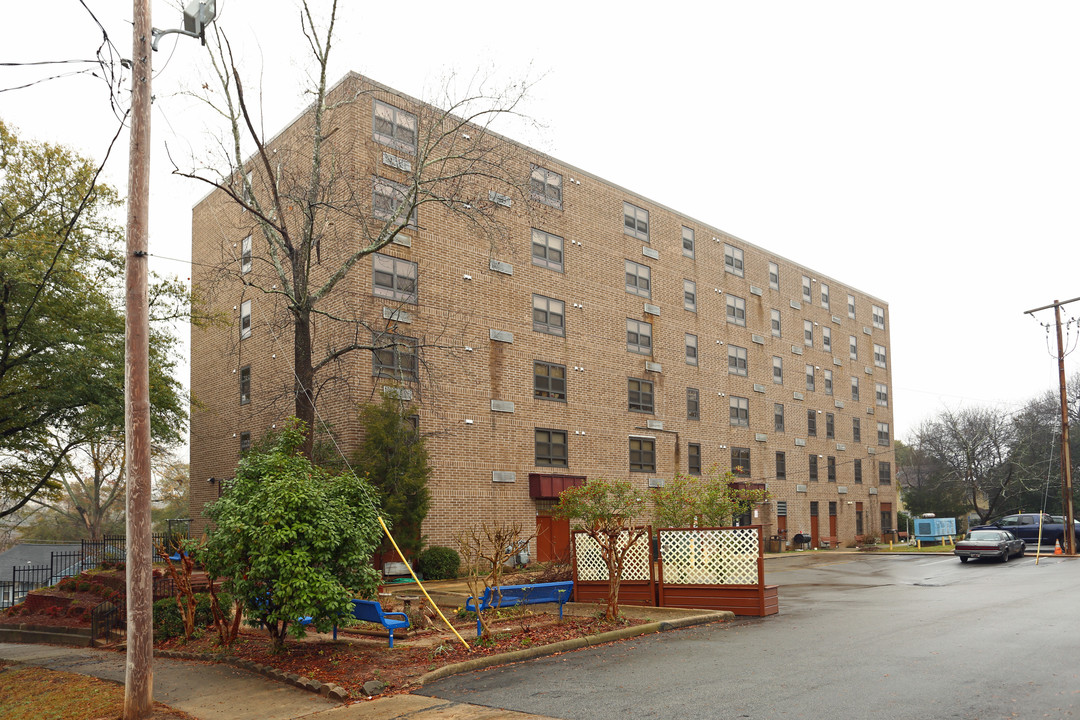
(168, 622)
(438, 563)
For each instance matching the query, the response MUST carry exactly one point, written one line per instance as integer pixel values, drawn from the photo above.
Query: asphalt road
(858, 636)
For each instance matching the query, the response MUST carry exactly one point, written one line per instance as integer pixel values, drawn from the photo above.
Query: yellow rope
(421, 586)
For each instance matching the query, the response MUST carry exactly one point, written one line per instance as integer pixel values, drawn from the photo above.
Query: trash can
(774, 544)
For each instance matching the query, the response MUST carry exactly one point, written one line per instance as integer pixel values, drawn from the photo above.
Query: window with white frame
(636, 221)
(546, 186)
(689, 289)
(638, 279)
(693, 404)
(774, 276)
(691, 349)
(806, 294)
(851, 306)
(395, 356)
(245, 255)
(733, 260)
(394, 127)
(245, 385)
(879, 317)
(853, 347)
(774, 321)
(879, 355)
(639, 395)
(393, 278)
(388, 198)
(778, 417)
(881, 394)
(736, 360)
(826, 339)
(824, 296)
(740, 411)
(547, 250)
(854, 389)
(883, 434)
(828, 381)
(736, 310)
(245, 320)
(856, 430)
(688, 241)
(778, 370)
(810, 378)
(808, 333)
(638, 336)
(549, 315)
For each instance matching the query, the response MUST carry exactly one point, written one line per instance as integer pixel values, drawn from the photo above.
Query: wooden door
(814, 542)
(552, 539)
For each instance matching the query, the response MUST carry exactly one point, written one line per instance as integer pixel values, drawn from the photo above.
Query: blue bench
(512, 595)
(371, 611)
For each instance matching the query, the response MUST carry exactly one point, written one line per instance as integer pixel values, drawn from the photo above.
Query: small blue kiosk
(936, 529)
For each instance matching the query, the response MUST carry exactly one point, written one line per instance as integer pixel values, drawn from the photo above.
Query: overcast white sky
(925, 152)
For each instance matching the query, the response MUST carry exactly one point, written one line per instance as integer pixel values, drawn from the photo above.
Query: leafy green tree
(607, 511)
(172, 493)
(711, 500)
(395, 458)
(62, 322)
(292, 540)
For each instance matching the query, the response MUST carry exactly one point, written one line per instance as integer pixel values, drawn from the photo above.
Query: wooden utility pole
(139, 674)
(1066, 462)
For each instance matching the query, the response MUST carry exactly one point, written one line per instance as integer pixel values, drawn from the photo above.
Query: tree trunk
(305, 378)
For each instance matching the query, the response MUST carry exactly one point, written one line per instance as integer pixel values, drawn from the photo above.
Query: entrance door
(814, 525)
(832, 519)
(552, 539)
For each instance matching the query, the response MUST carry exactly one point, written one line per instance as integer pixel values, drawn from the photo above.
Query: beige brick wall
(468, 370)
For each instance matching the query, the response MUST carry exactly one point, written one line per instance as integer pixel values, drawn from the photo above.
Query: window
(549, 381)
(245, 319)
(638, 336)
(879, 355)
(857, 465)
(774, 316)
(781, 469)
(640, 395)
(828, 381)
(549, 315)
(736, 310)
(806, 296)
(637, 279)
(245, 442)
(853, 347)
(691, 349)
(809, 378)
(546, 186)
(808, 333)
(740, 461)
(393, 279)
(851, 306)
(830, 426)
(826, 339)
(693, 404)
(778, 370)
(740, 411)
(636, 221)
(547, 250)
(811, 423)
(247, 190)
(388, 199)
(395, 356)
(642, 454)
(824, 296)
(854, 389)
(736, 360)
(693, 458)
(395, 127)
(879, 317)
(856, 430)
(774, 276)
(881, 394)
(688, 242)
(551, 448)
(733, 260)
(245, 255)
(830, 470)
(245, 385)
(813, 470)
(884, 473)
(689, 291)
(778, 417)
(883, 434)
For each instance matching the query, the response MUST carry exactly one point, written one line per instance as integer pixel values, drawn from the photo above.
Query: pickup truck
(1026, 527)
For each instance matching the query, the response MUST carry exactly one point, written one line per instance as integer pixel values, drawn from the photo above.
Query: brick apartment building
(604, 336)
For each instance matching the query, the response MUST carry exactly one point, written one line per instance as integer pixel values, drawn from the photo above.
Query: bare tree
(485, 549)
(309, 185)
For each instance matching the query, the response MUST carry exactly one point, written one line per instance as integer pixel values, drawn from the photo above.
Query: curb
(567, 645)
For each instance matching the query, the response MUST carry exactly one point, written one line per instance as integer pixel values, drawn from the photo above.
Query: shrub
(83, 586)
(169, 624)
(76, 611)
(97, 588)
(438, 563)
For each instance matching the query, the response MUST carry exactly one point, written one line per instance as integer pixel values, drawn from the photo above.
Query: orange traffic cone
(1057, 548)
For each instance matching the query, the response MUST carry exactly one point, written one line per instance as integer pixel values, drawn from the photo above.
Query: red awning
(548, 487)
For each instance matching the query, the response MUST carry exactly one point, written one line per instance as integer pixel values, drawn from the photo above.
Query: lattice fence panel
(590, 562)
(711, 556)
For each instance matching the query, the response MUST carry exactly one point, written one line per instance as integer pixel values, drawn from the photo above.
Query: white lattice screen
(591, 566)
(718, 556)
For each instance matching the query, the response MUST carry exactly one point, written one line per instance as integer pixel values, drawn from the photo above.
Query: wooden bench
(372, 612)
(829, 541)
(513, 595)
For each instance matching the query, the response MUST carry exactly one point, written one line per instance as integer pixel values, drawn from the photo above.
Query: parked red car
(989, 543)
